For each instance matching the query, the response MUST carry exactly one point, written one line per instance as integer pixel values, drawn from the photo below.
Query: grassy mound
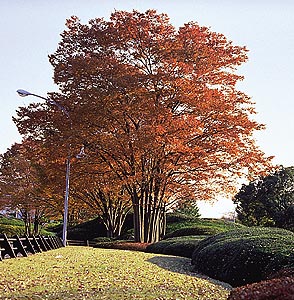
(245, 256)
(90, 273)
(179, 246)
(278, 289)
(180, 225)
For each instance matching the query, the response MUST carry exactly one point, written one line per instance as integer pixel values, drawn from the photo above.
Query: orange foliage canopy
(157, 107)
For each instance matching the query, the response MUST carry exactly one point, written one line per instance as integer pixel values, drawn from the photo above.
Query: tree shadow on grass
(183, 265)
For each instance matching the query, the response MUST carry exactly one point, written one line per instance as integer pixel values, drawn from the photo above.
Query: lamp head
(23, 93)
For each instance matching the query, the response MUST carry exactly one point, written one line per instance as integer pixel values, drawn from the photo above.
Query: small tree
(268, 201)
(188, 208)
(23, 186)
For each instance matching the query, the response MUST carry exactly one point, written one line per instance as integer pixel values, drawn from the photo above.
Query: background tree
(22, 186)
(156, 106)
(268, 201)
(188, 208)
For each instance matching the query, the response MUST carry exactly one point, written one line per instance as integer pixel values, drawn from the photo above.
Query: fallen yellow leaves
(88, 273)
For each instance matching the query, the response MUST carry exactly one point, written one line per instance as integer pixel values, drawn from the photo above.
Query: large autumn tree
(158, 107)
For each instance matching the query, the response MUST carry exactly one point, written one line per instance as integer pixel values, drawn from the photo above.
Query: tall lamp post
(24, 93)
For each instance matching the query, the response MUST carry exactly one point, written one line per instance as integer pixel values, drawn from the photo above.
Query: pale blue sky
(30, 31)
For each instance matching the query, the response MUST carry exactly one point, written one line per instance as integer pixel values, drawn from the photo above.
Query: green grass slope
(179, 225)
(89, 273)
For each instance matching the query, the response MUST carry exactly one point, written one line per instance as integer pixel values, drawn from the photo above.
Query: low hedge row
(179, 246)
(244, 256)
(121, 244)
(278, 289)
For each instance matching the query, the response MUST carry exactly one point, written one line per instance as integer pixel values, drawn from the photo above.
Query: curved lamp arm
(24, 93)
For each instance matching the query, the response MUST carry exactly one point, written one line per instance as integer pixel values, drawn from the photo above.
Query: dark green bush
(278, 289)
(179, 246)
(11, 221)
(244, 256)
(54, 227)
(12, 230)
(86, 231)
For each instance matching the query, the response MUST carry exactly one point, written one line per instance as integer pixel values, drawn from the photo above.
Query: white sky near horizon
(30, 31)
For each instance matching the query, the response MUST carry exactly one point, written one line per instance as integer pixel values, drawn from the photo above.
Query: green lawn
(93, 273)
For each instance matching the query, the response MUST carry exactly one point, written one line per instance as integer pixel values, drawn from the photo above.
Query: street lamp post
(24, 93)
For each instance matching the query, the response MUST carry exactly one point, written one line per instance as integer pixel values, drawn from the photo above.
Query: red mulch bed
(130, 246)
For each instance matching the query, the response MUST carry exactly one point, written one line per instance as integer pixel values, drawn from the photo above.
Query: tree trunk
(36, 226)
(149, 226)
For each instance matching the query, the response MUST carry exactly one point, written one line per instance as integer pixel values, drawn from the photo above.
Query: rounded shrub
(179, 246)
(244, 256)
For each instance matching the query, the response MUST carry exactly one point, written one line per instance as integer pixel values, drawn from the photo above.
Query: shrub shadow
(183, 265)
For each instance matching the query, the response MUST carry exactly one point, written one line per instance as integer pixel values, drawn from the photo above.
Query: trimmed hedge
(245, 256)
(278, 289)
(179, 246)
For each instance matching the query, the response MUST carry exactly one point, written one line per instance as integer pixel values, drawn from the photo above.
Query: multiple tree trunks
(24, 246)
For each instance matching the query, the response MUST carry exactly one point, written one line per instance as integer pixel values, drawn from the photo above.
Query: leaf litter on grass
(93, 273)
